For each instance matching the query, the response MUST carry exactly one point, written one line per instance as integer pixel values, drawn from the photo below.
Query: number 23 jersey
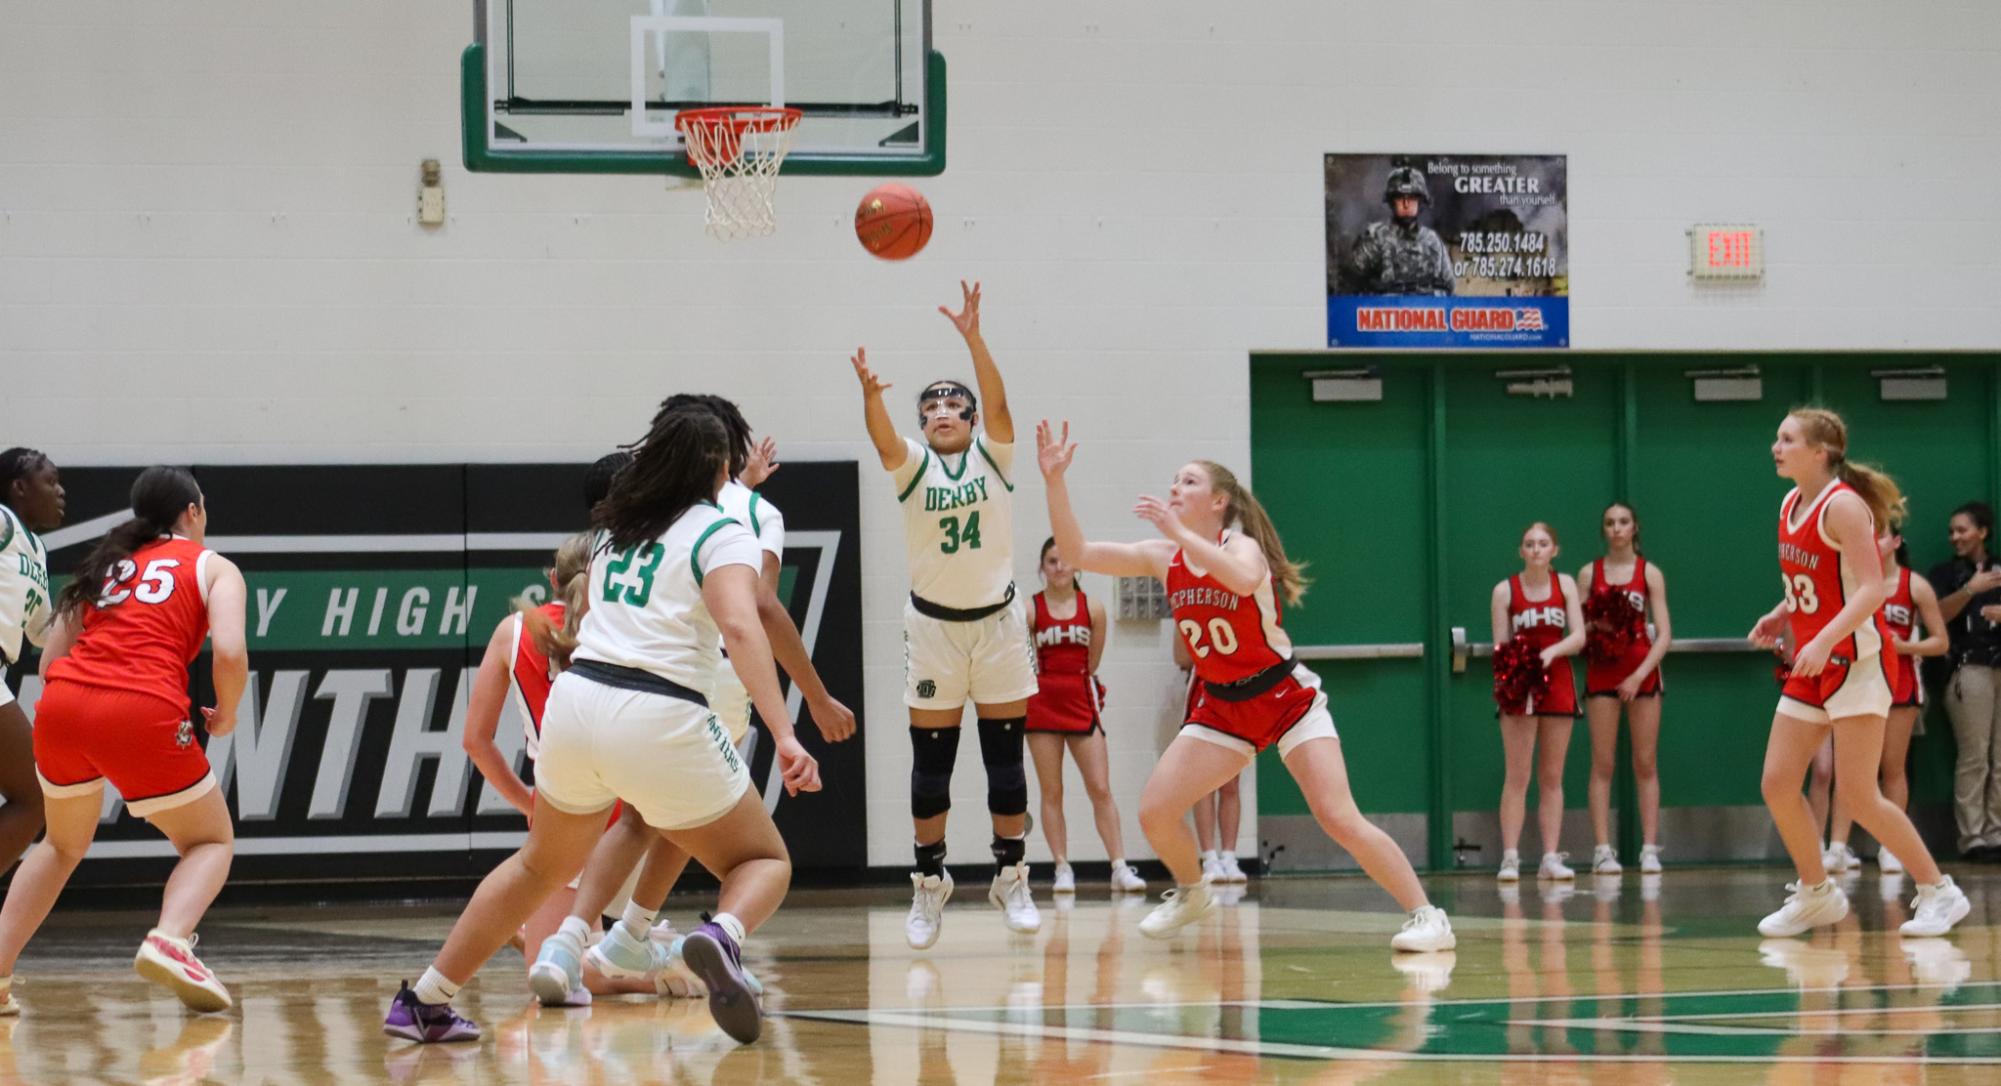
(958, 521)
(646, 608)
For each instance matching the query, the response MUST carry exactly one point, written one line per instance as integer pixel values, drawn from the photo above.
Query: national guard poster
(1447, 251)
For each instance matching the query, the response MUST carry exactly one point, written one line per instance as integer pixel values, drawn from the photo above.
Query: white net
(739, 152)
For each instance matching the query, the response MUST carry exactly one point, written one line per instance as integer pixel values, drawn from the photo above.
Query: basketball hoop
(738, 149)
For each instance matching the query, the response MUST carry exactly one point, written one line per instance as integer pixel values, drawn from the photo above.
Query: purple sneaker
(424, 1023)
(714, 956)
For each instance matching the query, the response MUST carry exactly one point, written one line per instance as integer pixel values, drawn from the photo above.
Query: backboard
(592, 86)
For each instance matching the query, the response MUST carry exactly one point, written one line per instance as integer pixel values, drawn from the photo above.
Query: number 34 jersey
(646, 608)
(1231, 637)
(958, 521)
(1818, 578)
(147, 625)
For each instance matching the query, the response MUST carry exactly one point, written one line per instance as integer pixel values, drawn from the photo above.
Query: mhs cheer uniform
(24, 593)
(1818, 582)
(116, 708)
(1542, 623)
(1601, 680)
(1249, 691)
(1069, 698)
(1900, 620)
(964, 634)
(629, 719)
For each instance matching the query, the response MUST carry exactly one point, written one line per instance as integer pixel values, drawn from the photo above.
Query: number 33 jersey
(1231, 637)
(1818, 578)
(147, 625)
(958, 522)
(646, 608)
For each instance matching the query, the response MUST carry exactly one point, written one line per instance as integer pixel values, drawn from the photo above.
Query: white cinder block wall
(207, 250)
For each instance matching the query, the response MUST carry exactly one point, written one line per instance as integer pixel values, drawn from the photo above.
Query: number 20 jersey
(1230, 637)
(147, 625)
(1818, 580)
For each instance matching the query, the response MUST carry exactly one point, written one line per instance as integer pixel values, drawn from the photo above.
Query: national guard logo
(184, 737)
(926, 688)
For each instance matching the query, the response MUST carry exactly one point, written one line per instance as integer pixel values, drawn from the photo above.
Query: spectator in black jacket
(1969, 597)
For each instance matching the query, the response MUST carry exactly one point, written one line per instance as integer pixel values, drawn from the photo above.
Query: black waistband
(960, 614)
(1246, 689)
(632, 678)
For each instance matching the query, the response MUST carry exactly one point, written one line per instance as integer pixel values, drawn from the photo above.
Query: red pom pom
(1615, 624)
(1518, 676)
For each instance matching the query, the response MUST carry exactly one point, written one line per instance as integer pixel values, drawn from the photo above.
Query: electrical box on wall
(1141, 598)
(1725, 251)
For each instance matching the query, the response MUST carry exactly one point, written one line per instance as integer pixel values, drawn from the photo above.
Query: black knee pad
(1001, 751)
(933, 752)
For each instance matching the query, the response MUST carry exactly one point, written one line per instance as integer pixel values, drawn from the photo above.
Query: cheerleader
(1622, 670)
(1536, 611)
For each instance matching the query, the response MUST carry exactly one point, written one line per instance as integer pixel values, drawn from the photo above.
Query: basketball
(893, 222)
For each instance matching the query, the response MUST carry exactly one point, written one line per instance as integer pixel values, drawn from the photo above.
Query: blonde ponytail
(1288, 577)
(1880, 492)
(572, 576)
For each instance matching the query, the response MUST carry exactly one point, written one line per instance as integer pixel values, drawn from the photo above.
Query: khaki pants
(1971, 700)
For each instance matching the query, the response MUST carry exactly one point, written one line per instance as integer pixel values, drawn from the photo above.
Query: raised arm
(1148, 559)
(229, 652)
(994, 412)
(483, 707)
(889, 448)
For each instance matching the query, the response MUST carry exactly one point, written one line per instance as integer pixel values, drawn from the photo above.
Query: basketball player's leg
(1601, 715)
(934, 741)
(558, 843)
(1094, 765)
(71, 827)
(1643, 724)
(21, 815)
(1552, 746)
(1205, 824)
(1896, 756)
(1322, 772)
(744, 850)
(1858, 756)
(1229, 814)
(1046, 749)
(206, 842)
(1518, 735)
(1789, 755)
(610, 865)
(1189, 769)
(1002, 727)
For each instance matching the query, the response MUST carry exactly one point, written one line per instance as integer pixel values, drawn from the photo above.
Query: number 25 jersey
(147, 625)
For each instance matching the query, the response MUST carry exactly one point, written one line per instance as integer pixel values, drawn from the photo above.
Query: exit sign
(1726, 252)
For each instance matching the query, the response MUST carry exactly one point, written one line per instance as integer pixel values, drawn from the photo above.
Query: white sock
(1229, 856)
(1207, 856)
(731, 925)
(432, 988)
(576, 928)
(638, 921)
(1116, 864)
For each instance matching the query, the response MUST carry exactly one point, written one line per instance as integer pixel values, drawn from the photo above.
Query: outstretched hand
(763, 463)
(871, 384)
(1160, 515)
(967, 320)
(1053, 453)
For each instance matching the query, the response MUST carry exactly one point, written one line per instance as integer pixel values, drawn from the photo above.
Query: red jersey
(1604, 678)
(1543, 623)
(1066, 697)
(147, 625)
(1818, 580)
(1900, 618)
(1230, 637)
(530, 674)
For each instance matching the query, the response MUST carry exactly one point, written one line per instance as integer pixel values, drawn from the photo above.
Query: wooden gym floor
(1629, 981)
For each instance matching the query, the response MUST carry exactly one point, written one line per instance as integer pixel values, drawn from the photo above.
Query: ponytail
(1244, 510)
(571, 578)
(159, 496)
(1880, 492)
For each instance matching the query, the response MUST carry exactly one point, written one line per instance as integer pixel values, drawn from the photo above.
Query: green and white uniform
(958, 530)
(727, 697)
(621, 722)
(24, 593)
